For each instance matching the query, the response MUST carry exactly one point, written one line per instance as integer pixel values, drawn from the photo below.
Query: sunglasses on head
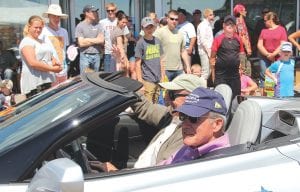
(173, 19)
(173, 95)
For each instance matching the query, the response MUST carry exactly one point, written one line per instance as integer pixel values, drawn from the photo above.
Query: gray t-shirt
(88, 30)
(150, 51)
(108, 26)
(118, 32)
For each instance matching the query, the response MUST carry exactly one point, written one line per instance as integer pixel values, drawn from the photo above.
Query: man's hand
(106, 167)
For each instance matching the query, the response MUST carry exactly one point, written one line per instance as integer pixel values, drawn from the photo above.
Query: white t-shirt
(205, 37)
(58, 40)
(188, 31)
(108, 26)
(31, 78)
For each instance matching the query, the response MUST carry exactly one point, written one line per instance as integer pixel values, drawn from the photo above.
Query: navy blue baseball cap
(202, 101)
(229, 18)
(89, 8)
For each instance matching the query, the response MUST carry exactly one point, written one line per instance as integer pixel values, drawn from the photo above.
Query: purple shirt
(187, 153)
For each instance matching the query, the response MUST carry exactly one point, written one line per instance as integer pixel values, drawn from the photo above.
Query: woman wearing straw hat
(57, 38)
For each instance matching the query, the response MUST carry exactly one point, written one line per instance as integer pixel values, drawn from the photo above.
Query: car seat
(245, 126)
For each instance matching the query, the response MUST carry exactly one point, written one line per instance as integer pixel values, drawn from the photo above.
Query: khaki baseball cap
(187, 82)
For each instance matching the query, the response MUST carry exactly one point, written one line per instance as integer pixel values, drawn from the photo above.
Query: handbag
(271, 88)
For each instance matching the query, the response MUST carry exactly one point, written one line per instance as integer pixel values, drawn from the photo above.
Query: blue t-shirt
(285, 77)
(150, 52)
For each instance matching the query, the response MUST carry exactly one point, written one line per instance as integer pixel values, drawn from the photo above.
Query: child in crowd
(282, 71)
(149, 68)
(196, 69)
(6, 96)
(248, 86)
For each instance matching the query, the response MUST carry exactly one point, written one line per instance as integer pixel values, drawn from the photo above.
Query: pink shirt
(245, 81)
(272, 38)
(187, 153)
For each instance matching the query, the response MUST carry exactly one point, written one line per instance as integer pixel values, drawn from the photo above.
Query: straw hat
(55, 9)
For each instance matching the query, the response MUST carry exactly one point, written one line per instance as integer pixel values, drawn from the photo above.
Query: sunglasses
(183, 117)
(110, 10)
(173, 19)
(173, 95)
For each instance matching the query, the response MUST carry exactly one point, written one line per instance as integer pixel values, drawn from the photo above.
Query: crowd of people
(173, 58)
(216, 51)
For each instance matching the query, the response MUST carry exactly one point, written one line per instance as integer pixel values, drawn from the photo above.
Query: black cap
(183, 11)
(89, 8)
(197, 11)
(265, 10)
(230, 18)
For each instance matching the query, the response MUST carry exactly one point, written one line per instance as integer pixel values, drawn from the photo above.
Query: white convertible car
(50, 133)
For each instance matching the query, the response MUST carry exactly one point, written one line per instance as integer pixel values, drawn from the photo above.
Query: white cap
(286, 46)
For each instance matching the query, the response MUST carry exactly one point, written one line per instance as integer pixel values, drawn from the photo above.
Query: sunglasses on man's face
(110, 10)
(183, 117)
(173, 19)
(173, 95)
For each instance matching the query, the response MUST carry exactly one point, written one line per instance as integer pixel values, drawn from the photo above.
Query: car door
(260, 169)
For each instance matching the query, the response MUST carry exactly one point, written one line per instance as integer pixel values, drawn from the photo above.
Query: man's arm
(212, 62)
(185, 56)
(191, 47)
(86, 42)
(153, 114)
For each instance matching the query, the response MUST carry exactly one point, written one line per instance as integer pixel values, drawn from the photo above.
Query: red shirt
(227, 52)
(272, 38)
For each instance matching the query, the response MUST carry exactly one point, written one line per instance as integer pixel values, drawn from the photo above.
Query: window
(14, 15)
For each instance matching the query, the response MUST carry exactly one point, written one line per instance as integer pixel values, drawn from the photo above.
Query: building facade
(14, 14)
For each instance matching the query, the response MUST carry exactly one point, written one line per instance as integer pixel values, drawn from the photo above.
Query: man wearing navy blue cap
(203, 116)
(90, 37)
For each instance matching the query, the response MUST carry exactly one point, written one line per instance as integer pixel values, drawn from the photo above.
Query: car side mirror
(58, 175)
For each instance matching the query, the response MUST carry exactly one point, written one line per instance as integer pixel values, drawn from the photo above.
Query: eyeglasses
(183, 117)
(173, 95)
(173, 19)
(110, 10)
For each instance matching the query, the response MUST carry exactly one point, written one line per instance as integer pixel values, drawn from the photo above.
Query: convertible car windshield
(45, 113)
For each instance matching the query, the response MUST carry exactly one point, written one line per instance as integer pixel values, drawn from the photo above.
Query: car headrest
(226, 92)
(246, 123)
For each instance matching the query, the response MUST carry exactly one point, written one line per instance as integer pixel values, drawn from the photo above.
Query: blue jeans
(264, 64)
(109, 65)
(91, 61)
(172, 74)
